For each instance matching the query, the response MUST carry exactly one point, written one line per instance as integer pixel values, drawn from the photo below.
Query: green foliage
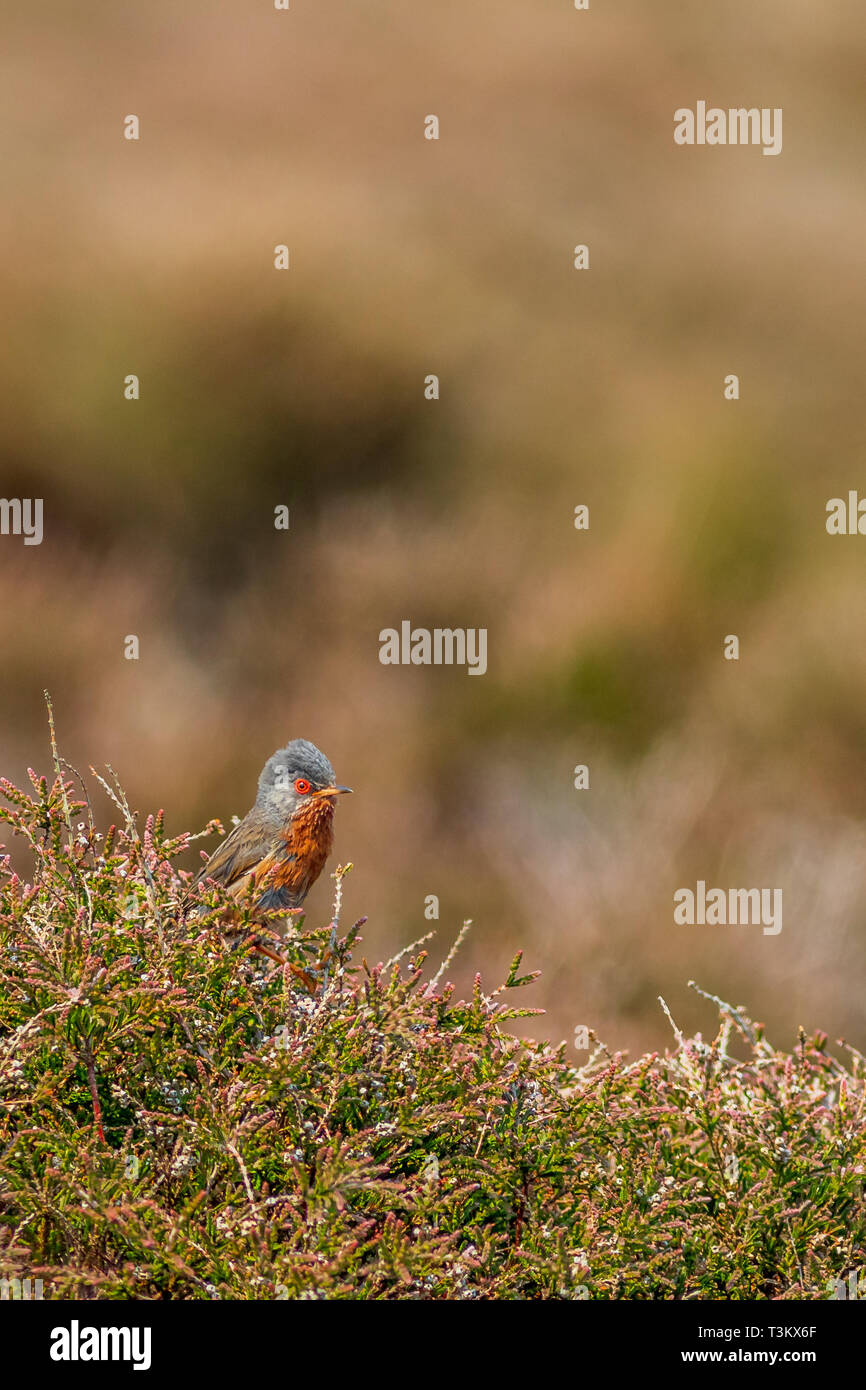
(181, 1119)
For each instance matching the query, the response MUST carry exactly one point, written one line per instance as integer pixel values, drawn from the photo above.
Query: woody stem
(94, 1093)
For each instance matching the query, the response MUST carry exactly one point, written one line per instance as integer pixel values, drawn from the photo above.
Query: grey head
(293, 777)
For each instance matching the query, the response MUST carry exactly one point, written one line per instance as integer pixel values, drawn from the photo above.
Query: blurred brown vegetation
(605, 387)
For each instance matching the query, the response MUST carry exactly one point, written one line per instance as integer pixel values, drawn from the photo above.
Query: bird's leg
(303, 975)
(263, 951)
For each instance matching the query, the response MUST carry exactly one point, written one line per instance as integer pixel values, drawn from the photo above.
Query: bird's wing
(242, 850)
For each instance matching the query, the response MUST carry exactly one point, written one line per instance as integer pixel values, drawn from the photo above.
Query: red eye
(302, 786)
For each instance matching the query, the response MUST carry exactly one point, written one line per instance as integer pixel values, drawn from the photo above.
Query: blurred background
(604, 387)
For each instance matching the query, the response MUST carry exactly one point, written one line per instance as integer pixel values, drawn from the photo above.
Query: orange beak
(332, 791)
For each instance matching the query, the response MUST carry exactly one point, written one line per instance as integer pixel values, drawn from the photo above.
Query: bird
(281, 845)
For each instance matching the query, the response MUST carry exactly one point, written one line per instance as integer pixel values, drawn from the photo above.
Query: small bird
(282, 843)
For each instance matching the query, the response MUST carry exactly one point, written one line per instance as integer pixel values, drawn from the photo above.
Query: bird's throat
(309, 840)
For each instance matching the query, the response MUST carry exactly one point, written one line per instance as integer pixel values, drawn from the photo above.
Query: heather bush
(181, 1118)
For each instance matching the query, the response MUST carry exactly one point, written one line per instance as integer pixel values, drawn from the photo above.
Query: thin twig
(406, 949)
(338, 875)
(738, 1018)
(57, 768)
(461, 937)
(677, 1034)
(86, 793)
(118, 796)
(244, 1174)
